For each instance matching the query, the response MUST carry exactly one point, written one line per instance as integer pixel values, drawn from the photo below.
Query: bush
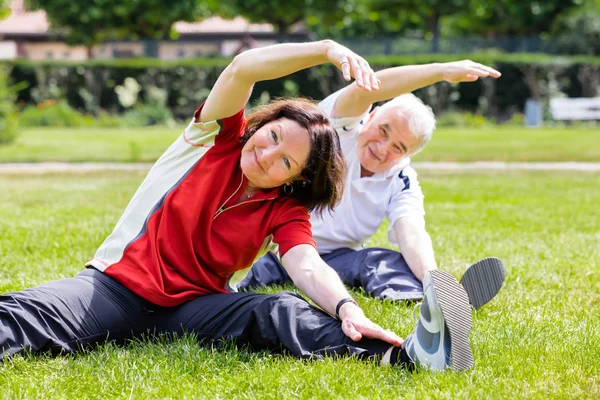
(462, 120)
(53, 113)
(9, 121)
(60, 114)
(147, 114)
(90, 86)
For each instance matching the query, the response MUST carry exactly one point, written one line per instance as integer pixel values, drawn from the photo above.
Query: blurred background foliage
(173, 90)
(544, 48)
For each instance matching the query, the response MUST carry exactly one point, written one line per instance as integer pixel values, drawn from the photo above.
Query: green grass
(90, 144)
(540, 338)
(498, 143)
(505, 143)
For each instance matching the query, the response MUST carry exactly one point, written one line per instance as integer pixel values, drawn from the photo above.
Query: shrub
(9, 121)
(147, 114)
(90, 86)
(462, 120)
(53, 113)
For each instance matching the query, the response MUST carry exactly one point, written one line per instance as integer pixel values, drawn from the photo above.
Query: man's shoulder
(406, 178)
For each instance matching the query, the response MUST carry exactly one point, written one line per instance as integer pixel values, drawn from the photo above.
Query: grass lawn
(504, 143)
(540, 338)
(448, 144)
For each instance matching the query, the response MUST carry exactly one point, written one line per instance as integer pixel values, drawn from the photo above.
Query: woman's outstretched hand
(356, 326)
(352, 65)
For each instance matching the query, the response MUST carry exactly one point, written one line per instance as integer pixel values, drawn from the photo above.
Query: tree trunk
(282, 28)
(434, 28)
(589, 78)
(532, 80)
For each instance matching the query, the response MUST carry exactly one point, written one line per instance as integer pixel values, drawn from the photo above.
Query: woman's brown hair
(321, 182)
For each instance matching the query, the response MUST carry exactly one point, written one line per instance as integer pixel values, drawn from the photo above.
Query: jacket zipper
(223, 208)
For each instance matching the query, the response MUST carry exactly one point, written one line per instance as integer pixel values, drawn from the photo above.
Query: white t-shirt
(366, 201)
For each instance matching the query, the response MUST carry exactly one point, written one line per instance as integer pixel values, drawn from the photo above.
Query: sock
(398, 356)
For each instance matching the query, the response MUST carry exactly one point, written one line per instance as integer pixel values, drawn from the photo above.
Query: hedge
(89, 86)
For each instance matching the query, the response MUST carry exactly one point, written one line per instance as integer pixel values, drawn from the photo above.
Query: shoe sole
(482, 281)
(454, 303)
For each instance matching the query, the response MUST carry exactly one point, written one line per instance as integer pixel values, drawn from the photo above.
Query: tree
(283, 15)
(424, 13)
(358, 18)
(578, 31)
(88, 22)
(493, 18)
(4, 8)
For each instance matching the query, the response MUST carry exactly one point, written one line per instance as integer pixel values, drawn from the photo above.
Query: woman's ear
(300, 180)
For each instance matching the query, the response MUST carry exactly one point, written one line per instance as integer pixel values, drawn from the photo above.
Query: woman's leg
(282, 321)
(64, 315)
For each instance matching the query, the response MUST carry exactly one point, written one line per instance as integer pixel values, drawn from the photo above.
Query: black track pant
(91, 308)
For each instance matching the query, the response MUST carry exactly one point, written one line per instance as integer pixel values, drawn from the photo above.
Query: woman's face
(276, 154)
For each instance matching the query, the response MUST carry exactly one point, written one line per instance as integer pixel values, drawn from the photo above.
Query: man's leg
(382, 273)
(281, 321)
(65, 315)
(385, 274)
(268, 270)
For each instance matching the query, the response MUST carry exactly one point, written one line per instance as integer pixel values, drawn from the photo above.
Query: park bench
(585, 108)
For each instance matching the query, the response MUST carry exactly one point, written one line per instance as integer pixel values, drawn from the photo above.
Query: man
(377, 145)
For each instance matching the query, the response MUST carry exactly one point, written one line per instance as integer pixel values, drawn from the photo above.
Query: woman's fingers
(357, 72)
(377, 332)
(350, 331)
(356, 330)
(352, 66)
(345, 66)
(368, 76)
(363, 74)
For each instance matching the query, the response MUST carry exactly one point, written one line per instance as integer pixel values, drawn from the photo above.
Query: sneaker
(483, 280)
(441, 337)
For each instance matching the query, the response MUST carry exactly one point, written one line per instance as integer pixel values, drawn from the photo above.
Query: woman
(203, 213)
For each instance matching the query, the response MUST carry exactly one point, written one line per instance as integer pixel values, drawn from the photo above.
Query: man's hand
(466, 71)
(355, 325)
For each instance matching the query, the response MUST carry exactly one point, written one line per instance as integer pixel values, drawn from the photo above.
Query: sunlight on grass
(540, 338)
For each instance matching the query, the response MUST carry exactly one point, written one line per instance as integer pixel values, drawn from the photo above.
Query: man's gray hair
(421, 120)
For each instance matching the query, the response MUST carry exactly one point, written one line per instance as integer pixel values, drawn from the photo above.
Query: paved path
(37, 168)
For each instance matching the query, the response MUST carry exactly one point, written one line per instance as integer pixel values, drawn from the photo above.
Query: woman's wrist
(326, 45)
(348, 308)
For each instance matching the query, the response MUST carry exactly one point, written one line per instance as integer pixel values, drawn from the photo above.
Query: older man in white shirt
(377, 145)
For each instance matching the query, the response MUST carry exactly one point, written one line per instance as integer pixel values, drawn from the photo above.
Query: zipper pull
(219, 211)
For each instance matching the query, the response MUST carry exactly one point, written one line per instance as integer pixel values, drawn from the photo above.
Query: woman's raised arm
(232, 90)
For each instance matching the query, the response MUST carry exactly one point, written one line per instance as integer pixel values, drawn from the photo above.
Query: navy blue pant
(69, 314)
(380, 272)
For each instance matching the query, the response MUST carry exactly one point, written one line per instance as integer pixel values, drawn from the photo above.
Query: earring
(288, 189)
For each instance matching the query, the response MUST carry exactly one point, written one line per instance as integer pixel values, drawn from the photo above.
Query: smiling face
(384, 140)
(276, 154)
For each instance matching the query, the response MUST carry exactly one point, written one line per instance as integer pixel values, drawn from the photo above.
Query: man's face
(384, 140)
